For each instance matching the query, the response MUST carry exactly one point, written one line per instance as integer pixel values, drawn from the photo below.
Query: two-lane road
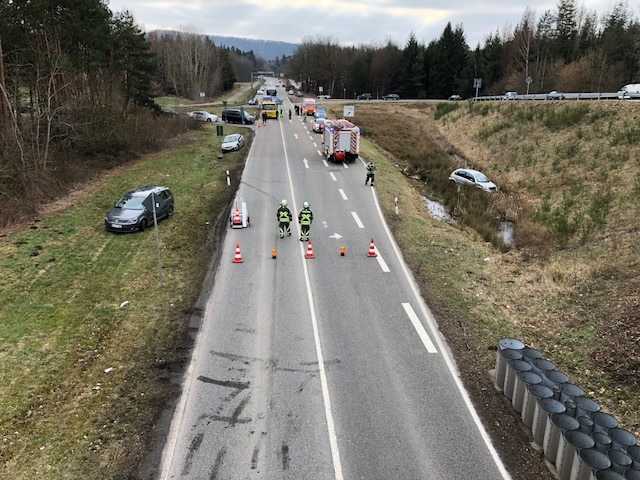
(328, 368)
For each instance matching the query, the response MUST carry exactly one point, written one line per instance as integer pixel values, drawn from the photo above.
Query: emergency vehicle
(309, 106)
(341, 141)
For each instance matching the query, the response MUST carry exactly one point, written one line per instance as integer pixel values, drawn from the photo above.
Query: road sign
(477, 83)
(320, 89)
(201, 94)
(349, 111)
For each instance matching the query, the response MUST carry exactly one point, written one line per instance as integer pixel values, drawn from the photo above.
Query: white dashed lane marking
(357, 219)
(333, 177)
(306, 163)
(342, 194)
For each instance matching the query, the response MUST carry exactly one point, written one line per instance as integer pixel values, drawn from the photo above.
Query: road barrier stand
(274, 253)
(342, 251)
(578, 440)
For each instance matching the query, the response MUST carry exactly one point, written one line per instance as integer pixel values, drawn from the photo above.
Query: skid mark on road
(213, 474)
(285, 456)
(235, 416)
(193, 449)
(225, 383)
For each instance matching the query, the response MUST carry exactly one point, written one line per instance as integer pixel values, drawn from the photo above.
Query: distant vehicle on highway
(324, 97)
(134, 211)
(235, 115)
(364, 96)
(455, 98)
(260, 92)
(318, 125)
(272, 92)
(291, 92)
(232, 143)
(253, 101)
(629, 92)
(391, 96)
(554, 95)
(309, 106)
(299, 94)
(510, 95)
(473, 178)
(203, 116)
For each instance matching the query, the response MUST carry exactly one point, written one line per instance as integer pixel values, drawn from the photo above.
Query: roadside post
(397, 207)
(157, 235)
(529, 80)
(477, 84)
(228, 179)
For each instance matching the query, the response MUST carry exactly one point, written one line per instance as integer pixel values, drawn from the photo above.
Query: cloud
(346, 21)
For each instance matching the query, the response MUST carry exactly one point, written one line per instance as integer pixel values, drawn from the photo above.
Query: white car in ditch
(472, 178)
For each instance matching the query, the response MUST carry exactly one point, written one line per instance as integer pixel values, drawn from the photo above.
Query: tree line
(568, 49)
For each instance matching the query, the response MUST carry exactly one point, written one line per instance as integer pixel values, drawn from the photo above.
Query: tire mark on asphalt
(254, 457)
(213, 475)
(225, 383)
(193, 448)
(285, 456)
(238, 410)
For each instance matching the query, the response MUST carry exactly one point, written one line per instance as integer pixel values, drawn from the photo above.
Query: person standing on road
(284, 219)
(305, 217)
(371, 174)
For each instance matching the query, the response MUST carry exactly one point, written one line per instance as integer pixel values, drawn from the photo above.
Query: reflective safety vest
(371, 168)
(284, 215)
(305, 216)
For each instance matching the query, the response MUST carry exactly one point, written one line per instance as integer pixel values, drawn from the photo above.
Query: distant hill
(267, 49)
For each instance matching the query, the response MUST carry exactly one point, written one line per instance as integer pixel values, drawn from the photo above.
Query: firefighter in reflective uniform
(284, 219)
(371, 174)
(305, 217)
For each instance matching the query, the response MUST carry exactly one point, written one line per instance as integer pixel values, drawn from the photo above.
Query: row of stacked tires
(579, 440)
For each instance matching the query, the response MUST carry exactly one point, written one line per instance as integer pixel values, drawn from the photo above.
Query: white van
(629, 92)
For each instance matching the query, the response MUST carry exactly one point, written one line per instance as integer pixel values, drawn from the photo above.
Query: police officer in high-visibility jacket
(305, 217)
(284, 217)
(371, 174)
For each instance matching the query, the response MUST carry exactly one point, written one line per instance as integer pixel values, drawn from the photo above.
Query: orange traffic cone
(372, 250)
(309, 255)
(343, 251)
(237, 258)
(274, 253)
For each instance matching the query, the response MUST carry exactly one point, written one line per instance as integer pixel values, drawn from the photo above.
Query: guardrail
(547, 97)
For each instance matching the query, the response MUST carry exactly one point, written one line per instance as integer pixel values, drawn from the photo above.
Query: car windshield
(230, 138)
(130, 202)
(480, 177)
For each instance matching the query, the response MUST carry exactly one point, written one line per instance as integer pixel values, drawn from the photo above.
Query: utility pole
(3, 107)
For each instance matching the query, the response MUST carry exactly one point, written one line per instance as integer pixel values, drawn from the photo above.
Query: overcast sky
(347, 21)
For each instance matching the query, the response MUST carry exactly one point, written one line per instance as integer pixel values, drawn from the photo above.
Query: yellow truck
(270, 108)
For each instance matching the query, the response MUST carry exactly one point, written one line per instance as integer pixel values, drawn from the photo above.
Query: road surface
(319, 369)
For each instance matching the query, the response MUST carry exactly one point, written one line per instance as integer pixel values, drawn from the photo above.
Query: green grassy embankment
(82, 378)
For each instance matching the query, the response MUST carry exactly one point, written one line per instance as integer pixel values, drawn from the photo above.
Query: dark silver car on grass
(134, 211)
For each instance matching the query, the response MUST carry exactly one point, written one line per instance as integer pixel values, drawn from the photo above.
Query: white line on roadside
(333, 177)
(325, 163)
(344, 164)
(417, 324)
(319, 152)
(306, 163)
(357, 219)
(342, 194)
(431, 323)
(333, 438)
(363, 162)
(382, 263)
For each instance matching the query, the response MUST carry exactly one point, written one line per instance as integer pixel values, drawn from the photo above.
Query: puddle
(505, 233)
(438, 211)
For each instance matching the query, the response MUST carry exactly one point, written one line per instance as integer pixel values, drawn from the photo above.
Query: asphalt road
(319, 369)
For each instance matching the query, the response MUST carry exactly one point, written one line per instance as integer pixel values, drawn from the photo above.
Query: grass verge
(82, 378)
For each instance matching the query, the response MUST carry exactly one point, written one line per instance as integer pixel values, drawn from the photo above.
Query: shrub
(564, 117)
(444, 108)
(626, 135)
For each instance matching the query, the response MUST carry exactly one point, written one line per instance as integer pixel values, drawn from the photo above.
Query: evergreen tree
(412, 73)
(566, 30)
(226, 68)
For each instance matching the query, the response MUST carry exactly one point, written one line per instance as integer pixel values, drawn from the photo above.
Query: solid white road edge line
(417, 324)
(325, 163)
(333, 439)
(357, 219)
(431, 323)
(169, 450)
(342, 194)
(333, 177)
(306, 163)
(382, 263)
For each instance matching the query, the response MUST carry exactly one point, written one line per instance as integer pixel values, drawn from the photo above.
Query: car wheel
(209, 120)
(142, 225)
